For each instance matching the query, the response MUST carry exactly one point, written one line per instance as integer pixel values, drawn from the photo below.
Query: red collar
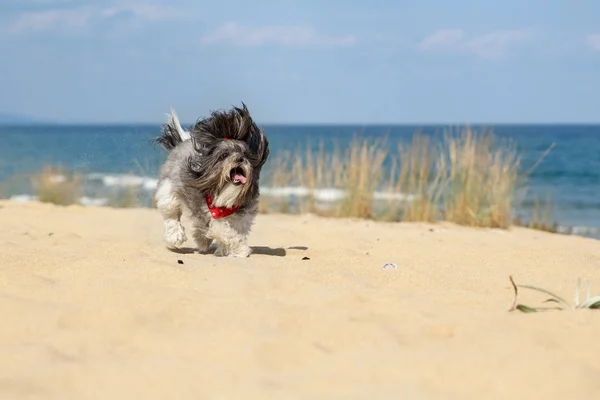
(219, 212)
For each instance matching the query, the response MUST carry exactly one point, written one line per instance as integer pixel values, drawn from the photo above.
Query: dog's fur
(203, 161)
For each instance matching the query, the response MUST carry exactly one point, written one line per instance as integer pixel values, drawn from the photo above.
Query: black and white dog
(212, 170)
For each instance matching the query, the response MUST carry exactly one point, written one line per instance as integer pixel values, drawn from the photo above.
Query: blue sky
(303, 61)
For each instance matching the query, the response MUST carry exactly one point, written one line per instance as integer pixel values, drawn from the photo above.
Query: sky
(302, 61)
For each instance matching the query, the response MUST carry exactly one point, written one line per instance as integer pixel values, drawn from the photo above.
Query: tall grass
(482, 176)
(54, 185)
(415, 172)
(466, 177)
(356, 170)
(541, 216)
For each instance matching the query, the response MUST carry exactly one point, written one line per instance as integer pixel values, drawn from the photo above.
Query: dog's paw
(221, 251)
(174, 235)
(241, 252)
(203, 245)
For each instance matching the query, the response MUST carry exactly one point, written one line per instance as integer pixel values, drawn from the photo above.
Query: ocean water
(113, 157)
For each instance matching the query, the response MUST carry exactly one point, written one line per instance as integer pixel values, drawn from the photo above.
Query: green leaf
(551, 300)
(546, 292)
(595, 306)
(593, 303)
(525, 309)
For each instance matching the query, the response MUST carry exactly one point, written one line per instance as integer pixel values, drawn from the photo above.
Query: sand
(93, 306)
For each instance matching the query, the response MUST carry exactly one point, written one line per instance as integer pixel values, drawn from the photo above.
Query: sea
(113, 157)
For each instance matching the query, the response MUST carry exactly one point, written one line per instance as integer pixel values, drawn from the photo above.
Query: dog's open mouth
(238, 177)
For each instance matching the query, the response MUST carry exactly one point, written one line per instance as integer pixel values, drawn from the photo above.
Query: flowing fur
(202, 161)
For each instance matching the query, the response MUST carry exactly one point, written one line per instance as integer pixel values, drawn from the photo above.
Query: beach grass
(56, 185)
(465, 177)
(541, 216)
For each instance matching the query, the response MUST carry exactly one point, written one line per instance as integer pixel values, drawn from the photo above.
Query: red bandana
(219, 212)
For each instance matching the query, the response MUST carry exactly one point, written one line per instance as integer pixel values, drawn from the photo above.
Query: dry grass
(481, 176)
(541, 217)
(464, 177)
(356, 171)
(54, 185)
(130, 197)
(415, 172)
(468, 178)
(280, 177)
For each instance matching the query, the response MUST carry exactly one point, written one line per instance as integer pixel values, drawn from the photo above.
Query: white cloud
(495, 44)
(35, 2)
(52, 20)
(75, 18)
(149, 12)
(593, 41)
(233, 33)
(442, 38)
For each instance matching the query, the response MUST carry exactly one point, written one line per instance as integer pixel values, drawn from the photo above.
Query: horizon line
(121, 123)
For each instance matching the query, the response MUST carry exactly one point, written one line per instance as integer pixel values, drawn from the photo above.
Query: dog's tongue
(239, 178)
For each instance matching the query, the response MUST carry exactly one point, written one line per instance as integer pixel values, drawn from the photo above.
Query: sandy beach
(94, 306)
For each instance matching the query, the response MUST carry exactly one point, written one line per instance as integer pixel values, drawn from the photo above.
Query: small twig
(514, 285)
(539, 161)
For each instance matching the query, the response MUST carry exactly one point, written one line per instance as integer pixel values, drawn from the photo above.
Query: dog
(212, 170)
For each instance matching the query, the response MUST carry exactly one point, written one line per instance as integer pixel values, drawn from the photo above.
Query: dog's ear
(244, 122)
(259, 144)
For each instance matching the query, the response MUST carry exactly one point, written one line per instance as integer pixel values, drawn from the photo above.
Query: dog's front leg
(230, 236)
(170, 209)
(200, 236)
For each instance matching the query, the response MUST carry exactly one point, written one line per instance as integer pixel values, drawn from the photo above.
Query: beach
(95, 307)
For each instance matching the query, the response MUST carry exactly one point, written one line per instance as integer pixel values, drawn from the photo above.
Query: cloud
(148, 12)
(76, 18)
(233, 33)
(593, 41)
(442, 38)
(35, 2)
(51, 20)
(491, 45)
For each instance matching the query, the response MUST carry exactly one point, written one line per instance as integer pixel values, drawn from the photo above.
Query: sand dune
(94, 307)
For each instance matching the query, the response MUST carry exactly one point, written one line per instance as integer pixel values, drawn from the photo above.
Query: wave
(579, 231)
(123, 180)
(83, 200)
(323, 194)
(329, 194)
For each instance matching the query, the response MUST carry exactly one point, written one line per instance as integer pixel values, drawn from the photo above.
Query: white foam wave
(329, 195)
(92, 201)
(394, 196)
(23, 198)
(83, 200)
(578, 230)
(124, 180)
(57, 178)
(322, 194)
(291, 191)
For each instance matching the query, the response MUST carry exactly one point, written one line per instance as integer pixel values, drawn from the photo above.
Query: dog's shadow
(269, 251)
(262, 250)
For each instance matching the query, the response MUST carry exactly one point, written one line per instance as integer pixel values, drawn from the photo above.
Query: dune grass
(60, 186)
(55, 185)
(481, 175)
(541, 216)
(466, 177)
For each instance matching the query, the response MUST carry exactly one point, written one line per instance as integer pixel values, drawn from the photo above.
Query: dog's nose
(240, 160)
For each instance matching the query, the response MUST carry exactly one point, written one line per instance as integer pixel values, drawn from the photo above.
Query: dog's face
(230, 151)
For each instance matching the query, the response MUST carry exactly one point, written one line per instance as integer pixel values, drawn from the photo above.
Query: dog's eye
(223, 156)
